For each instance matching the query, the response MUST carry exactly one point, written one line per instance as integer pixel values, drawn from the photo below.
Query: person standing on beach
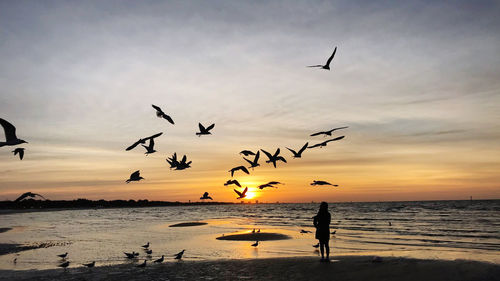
(322, 223)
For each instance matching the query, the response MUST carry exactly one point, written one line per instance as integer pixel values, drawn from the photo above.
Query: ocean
(422, 229)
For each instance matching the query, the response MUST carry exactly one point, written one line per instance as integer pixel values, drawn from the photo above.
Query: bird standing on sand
(135, 176)
(316, 245)
(327, 65)
(178, 256)
(162, 114)
(149, 251)
(160, 260)
(19, 151)
(132, 255)
(299, 153)
(145, 246)
(64, 264)
(273, 158)
(229, 182)
(89, 265)
(314, 183)
(63, 256)
(28, 194)
(204, 131)
(333, 232)
(305, 231)
(253, 163)
(243, 194)
(326, 142)
(10, 134)
(247, 152)
(142, 264)
(329, 132)
(242, 168)
(255, 244)
(142, 141)
(205, 196)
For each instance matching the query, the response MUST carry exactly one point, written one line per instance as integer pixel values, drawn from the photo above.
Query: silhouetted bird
(254, 163)
(327, 65)
(322, 183)
(305, 231)
(19, 151)
(253, 231)
(149, 251)
(135, 176)
(64, 264)
(160, 260)
(242, 168)
(247, 152)
(145, 246)
(204, 131)
(229, 182)
(89, 265)
(142, 264)
(326, 142)
(262, 186)
(316, 245)
(273, 158)
(10, 134)
(150, 148)
(132, 255)
(255, 244)
(299, 153)
(333, 232)
(274, 182)
(183, 164)
(173, 161)
(205, 196)
(142, 141)
(390, 224)
(241, 194)
(162, 114)
(328, 133)
(178, 256)
(63, 256)
(258, 231)
(28, 194)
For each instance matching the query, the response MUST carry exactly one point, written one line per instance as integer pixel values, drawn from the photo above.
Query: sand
(262, 236)
(185, 224)
(300, 268)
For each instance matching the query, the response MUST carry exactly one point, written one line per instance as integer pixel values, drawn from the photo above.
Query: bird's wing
(135, 174)
(314, 145)
(267, 154)
(201, 127)
(303, 148)
(292, 151)
(21, 153)
(237, 183)
(277, 152)
(335, 139)
(169, 119)
(281, 158)
(256, 157)
(317, 134)
(184, 158)
(331, 57)
(319, 65)
(210, 127)
(237, 192)
(9, 130)
(339, 128)
(134, 145)
(249, 162)
(24, 195)
(244, 169)
(157, 108)
(245, 191)
(153, 136)
(39, 195)
(205, 194)
(151, 143)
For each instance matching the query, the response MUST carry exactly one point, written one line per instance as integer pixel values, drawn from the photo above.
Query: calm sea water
(431, 229)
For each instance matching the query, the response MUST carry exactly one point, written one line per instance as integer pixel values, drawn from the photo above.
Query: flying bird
(19, 151)
(10, 134)
(183, 164)
(229, 182)
(135, 176)
(162, 114)
(150, 148)
(328, 133)
(178, 256)
(273, 158)
(205, 196)
(327, 65)
(160, 260)
(89, 265)
(255, 244)
(241, 194)
(322, 183)
(299, 153)
(242, 168)
(204, 131)
(142, 141)
(247, 152)
(254, 163)
(145, 246)
(28, 194)
(274, 182)
(173, 161)
(326, 142)
(64, 264)
(142, 264)
(63, 256)
(262, 186)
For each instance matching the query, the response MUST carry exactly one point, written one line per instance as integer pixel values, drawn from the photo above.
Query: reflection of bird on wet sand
(243, 194)
(327, 64)
(28, 194)
(64, 265)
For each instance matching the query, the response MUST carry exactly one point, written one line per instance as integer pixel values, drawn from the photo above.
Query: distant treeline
(85, 203)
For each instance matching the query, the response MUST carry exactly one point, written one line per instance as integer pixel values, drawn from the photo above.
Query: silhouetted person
(322, 223)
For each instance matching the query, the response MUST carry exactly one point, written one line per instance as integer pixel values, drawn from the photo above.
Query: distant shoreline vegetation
(32, 204)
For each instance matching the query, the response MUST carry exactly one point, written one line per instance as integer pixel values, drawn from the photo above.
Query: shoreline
(295, 268)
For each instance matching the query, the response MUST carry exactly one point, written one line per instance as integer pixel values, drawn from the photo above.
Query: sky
(417, 82)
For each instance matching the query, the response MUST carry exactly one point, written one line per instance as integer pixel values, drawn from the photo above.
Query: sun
(250, 195)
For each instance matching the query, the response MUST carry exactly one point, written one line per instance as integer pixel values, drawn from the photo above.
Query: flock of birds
(134, 256)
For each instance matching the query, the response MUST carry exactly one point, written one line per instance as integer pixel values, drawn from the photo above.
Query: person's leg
(321, 247)
(327, 246)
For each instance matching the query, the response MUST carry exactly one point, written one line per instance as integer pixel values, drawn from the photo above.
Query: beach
(297, 268)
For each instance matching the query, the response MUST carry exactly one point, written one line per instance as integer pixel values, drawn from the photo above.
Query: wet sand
(300, 268)
(262, 236)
